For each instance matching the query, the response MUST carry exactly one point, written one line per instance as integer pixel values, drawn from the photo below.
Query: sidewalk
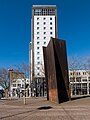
(41, 109)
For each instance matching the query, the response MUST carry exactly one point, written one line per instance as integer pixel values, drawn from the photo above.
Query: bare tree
(88, 60)
(75, 63)
(38, 83)
(23, 67)
(4, 81)
(87, 63)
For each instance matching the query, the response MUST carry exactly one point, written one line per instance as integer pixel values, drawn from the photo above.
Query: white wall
(41, 36)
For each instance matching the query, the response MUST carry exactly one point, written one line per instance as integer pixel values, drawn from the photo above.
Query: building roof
(44, 6)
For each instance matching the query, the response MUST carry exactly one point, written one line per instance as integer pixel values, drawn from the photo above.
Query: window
(77, 73)
(44, 32)
(71, 73)
(78, 86)
(50, 18)
(44, 28)
(50, 28)
(37, 53)
(38, 68)
(37, 42)
(72, 79)
(84, 80)
(38, 63)
(37, 37)
(19, 85)
(50, 23)
(14, 85)
(22, 85)
(50, 37)
(37, 28)
(84, 73)
(44, 23)
(89, 78)
(84, 85)
(89, 73)
(38, 18)
(78, 79)
(37, 23)
(37, 58)
(38, 74)
(37, 33)
(37, 47)
(44, 37)
(44, 43)
(50, 33)
(44, 18)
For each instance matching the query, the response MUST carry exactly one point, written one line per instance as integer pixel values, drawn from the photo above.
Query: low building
(79, 82)
(19, 85)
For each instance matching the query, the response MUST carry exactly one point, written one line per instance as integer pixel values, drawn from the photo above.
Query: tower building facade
(44, 26)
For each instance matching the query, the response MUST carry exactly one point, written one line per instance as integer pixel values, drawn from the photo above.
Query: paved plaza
(41, 109)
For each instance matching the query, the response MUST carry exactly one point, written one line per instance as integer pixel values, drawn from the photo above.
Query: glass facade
(79, 82)
(44, 12)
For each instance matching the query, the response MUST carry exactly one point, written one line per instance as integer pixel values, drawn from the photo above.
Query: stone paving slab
(41, 109)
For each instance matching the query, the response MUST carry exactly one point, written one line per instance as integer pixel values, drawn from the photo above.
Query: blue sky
(15, 28)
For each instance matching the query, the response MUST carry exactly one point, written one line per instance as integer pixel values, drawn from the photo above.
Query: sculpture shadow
(79, 97)
(44, 108)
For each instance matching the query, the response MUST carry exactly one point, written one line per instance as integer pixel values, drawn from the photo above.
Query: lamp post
(24, 91)
(10, 81)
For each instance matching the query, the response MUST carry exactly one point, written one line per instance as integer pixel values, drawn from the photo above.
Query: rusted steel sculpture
(56, 71)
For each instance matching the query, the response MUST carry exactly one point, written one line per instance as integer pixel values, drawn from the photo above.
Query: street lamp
(24, 91)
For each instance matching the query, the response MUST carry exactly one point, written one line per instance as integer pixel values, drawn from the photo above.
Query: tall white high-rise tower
(44, 26)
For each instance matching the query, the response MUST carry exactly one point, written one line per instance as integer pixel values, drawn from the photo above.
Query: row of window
(39, 43)
(44, 18)
(44, 12)
(80, 86)
(78, 89)
(44, 28)
(78, 79)
(44, 23)
(43, 37)
(44, 33)
(18, 85)
(78, 73)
